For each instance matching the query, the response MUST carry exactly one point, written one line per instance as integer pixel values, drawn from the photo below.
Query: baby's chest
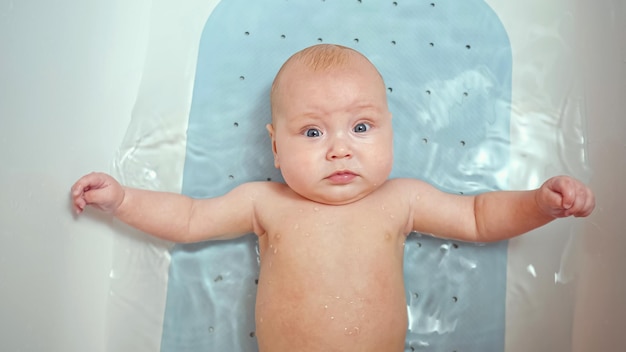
(331, 234)
(331, 263)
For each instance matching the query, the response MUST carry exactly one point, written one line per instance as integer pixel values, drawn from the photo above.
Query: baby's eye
(361, 127)
(312, 132)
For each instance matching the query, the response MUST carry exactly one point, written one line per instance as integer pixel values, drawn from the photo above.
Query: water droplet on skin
(296, 226)
(260, 320)
(353, 331)
(392, 216)
(316, 209)
(387, 236)
(306, 234)
(326, 306)
(275, 250)
(332, 318)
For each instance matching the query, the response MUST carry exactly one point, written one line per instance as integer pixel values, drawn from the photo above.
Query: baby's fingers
(90, 181)
(78, 204)
(566, 196)
(88, 190)
(583, 204)
(553, 203)
(77, 192)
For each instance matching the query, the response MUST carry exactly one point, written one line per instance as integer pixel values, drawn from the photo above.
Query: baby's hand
(563, 196)
(98, 190)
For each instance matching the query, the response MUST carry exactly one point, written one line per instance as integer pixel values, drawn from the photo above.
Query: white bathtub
(70, 74)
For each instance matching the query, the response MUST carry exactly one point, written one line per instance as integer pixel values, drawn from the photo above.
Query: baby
(331, 239)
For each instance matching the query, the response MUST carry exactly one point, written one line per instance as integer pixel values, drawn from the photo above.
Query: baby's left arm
(500, 215)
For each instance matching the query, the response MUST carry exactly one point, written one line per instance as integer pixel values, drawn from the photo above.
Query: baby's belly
(331, 302)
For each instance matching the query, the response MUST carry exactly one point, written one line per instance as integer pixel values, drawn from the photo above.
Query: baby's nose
(339, 150)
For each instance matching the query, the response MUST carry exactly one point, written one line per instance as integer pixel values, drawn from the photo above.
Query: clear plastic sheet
(538, 94)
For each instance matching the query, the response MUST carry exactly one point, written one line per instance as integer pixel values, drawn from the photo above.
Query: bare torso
(331, 276)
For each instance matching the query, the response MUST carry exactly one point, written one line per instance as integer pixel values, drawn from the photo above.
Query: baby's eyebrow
(315, 116)
(367, 107)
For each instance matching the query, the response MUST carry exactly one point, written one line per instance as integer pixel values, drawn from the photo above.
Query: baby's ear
(270, 130)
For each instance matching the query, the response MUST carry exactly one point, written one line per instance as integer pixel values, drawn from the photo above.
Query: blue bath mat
(447, 66)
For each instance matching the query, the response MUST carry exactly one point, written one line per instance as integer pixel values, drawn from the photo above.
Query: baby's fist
(563, 196)
(98, 190)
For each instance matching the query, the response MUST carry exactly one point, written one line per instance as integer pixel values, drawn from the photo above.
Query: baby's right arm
(169, 216)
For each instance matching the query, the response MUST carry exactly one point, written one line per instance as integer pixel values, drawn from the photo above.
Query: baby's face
(331, 134)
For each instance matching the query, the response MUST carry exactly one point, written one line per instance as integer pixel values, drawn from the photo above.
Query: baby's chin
(337, 198)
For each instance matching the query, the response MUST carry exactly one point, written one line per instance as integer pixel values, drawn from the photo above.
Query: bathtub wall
(69, 75)
(600, 315)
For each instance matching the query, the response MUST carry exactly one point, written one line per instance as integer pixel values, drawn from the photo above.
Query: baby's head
(331, 126)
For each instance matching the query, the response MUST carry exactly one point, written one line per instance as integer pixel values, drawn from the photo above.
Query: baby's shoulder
(266, 191)
(406, 186)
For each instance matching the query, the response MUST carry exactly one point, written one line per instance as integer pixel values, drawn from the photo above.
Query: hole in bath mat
(231, 177)
(269, 178)
(463, 143)
(393, 42)
(242, 78)
(428, 92)
(236, 124)
(468, 46)
(211, 329)
(432, 4)
(319, 40)
(390, 89)
(455, 299)
(246, 33)
(283, 36)
(356, 40)
(218, 278)
(395, 3)
(252, 334)
(431, 44)
(425, 140)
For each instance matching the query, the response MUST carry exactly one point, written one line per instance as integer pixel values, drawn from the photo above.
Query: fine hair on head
(320, 57)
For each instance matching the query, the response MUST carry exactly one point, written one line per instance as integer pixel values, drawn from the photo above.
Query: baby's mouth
(342, 177)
